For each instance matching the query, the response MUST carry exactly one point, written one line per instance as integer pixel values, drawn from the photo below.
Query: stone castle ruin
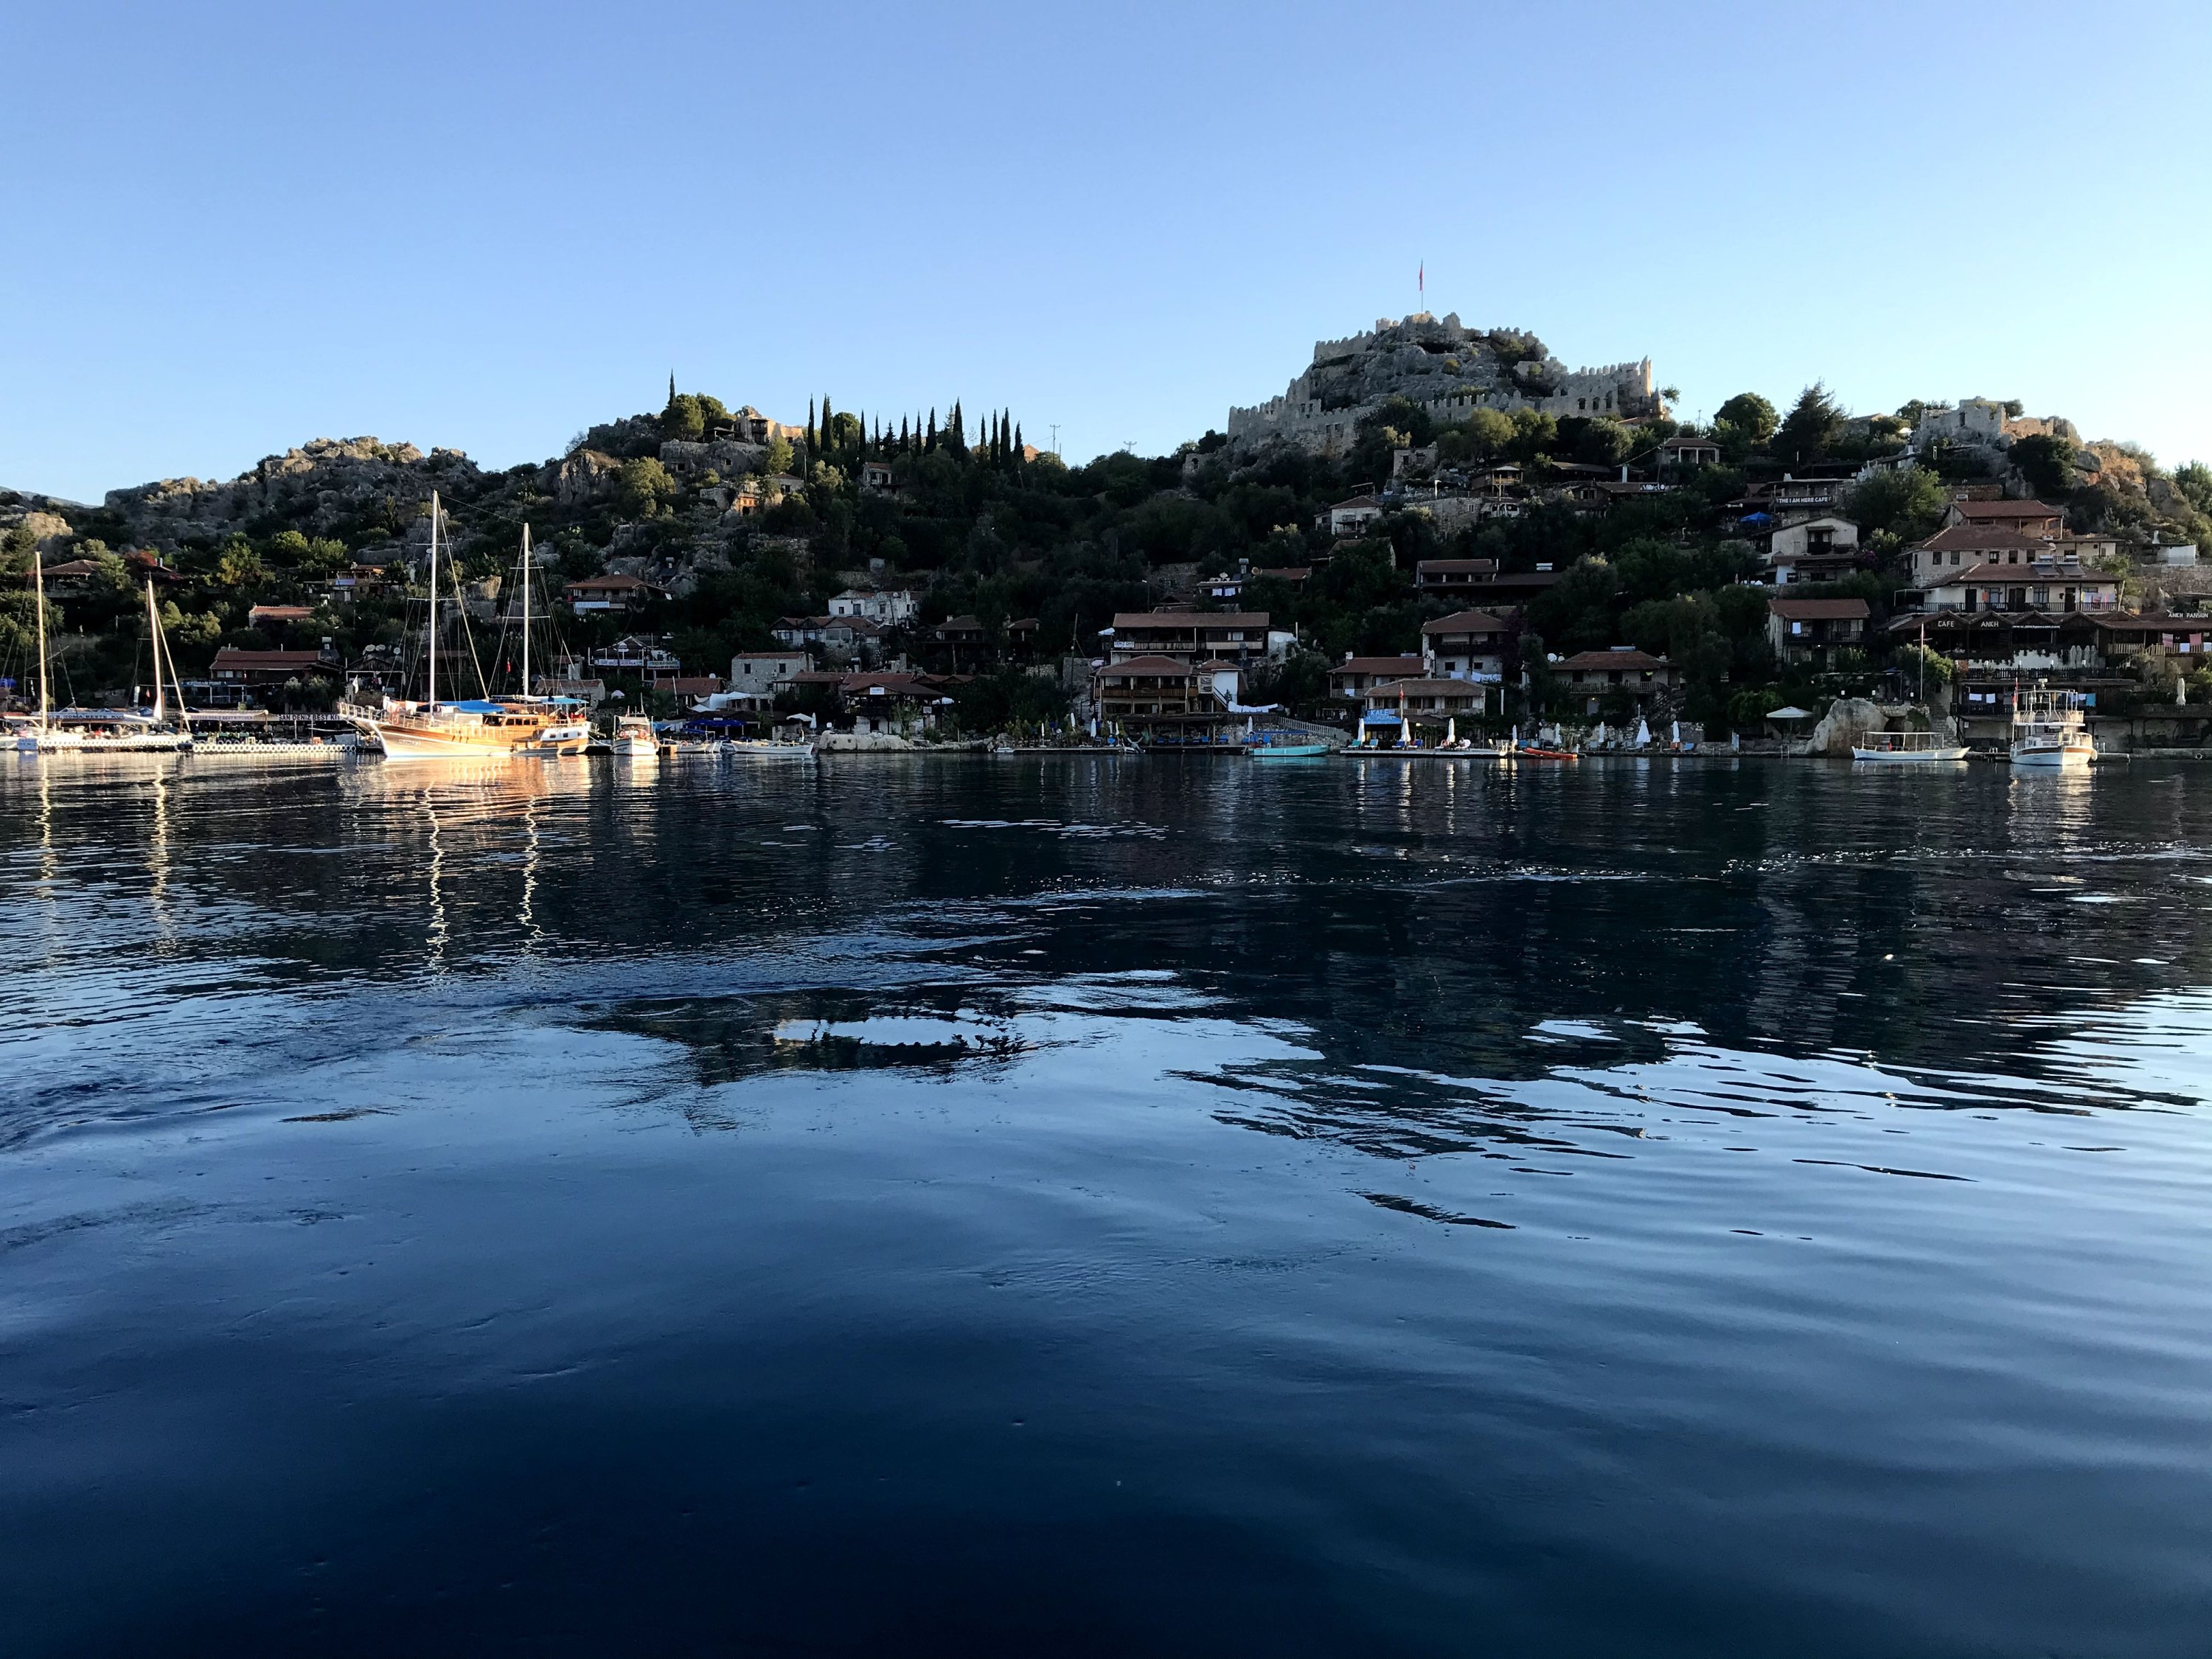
(1448, 370)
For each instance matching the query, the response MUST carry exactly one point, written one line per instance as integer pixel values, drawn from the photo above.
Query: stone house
(842, 639)
(2028, 518)
(764, 673)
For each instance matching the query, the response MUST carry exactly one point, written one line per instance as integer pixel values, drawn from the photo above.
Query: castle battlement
(1448, 369)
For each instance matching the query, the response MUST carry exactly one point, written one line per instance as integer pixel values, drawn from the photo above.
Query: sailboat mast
(154, 647)
(39, 601)
(176, 680)
(433, 599)
(525, 610)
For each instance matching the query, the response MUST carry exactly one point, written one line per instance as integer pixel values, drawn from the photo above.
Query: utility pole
(1055, 439)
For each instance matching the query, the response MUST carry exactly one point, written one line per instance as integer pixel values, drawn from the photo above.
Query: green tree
(643, 485)
(1483, 436)
(19, 628)
(1812, 426)
(1748, 417)
(1534, 434)
(684, 417)
(1906, 501)
(2046, 461)
(284, 549)
(2194, 480)
(238, 565)
(1605, 442)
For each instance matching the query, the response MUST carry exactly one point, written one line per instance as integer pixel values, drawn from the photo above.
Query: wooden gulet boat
(486, 728)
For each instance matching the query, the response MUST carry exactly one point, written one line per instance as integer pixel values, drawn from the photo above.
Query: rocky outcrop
(1847, 722)
(726, 457)
(581, 476)
(330, 486)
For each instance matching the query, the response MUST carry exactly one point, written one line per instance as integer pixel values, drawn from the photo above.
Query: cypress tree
(809, 426)
(931, 443)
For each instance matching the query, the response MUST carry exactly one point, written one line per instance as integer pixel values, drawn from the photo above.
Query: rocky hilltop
(1445, 368)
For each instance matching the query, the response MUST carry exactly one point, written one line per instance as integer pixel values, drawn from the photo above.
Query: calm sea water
(1094, 1206)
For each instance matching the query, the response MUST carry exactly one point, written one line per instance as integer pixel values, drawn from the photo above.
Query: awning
(1791, 715)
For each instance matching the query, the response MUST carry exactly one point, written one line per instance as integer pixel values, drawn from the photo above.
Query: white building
(1812, 550)
(884, 607)
(1352, 517)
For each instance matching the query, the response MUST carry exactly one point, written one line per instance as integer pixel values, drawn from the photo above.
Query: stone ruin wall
(1618, 389)
(1615, 389)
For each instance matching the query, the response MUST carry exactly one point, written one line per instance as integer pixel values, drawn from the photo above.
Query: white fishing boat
(480, 728)
(1908, 749)
(2050, 729)
(635, 739)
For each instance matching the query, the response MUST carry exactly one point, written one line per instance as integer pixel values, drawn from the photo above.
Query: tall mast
(526, 609)
(38, 599)
(433, 599)
(153, 645)
(162, 654)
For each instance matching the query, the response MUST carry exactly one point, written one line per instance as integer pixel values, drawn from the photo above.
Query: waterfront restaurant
(1425, 706)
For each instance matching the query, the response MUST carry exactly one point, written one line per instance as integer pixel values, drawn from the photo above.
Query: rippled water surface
(1099, 1207)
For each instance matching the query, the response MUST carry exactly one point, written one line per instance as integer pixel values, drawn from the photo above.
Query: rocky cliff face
(332, 486)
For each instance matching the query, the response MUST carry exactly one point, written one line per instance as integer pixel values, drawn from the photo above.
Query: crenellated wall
(1447, 369)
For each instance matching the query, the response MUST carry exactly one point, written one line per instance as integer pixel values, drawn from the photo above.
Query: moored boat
(635, 739)
(482, 728)
(101, 730)
(2050, 729)
(1908, 749)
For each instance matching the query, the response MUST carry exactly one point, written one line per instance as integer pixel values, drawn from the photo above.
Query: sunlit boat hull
(2051, 756)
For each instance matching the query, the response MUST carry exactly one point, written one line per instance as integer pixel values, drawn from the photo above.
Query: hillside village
(1432, 527)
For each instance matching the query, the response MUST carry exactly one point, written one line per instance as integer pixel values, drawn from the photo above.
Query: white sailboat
(100, 731)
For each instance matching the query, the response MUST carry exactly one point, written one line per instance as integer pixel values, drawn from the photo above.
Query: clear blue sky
(232, 227)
